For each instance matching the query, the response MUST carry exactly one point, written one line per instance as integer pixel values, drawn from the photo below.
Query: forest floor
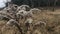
(52, 19)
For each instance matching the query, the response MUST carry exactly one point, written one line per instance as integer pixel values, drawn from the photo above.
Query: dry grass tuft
(52, 20)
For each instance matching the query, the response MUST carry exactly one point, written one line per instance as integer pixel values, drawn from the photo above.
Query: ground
(52, 19)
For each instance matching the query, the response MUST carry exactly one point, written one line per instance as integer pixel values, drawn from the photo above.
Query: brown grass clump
(52, 20)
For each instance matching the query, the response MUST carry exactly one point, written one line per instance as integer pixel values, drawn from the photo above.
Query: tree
(54, 4)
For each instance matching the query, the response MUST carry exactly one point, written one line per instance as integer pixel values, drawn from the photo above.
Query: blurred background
(31, 3)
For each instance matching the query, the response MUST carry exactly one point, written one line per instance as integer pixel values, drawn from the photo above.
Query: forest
(37, 3)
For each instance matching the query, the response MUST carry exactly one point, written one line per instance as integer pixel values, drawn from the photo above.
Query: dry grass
(52, 20)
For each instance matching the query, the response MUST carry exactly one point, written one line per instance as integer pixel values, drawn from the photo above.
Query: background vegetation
(37, 3)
